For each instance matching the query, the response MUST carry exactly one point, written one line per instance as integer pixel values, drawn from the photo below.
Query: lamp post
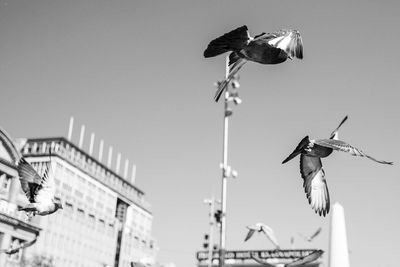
(231, 95)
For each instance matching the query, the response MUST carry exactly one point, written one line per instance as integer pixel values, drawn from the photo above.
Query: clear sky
(134, 73)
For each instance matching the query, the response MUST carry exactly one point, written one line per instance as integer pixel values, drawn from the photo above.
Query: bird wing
(46, 191)
(21, 246)
(249, 234)
(30, 180)
(315, 234)
(344, 147)
(270, 234)
(315, 184)
(289, 41)
(334, 134)
(309, 258)
(28, 244)
(231, 41)
(303, 236)
(235, 66)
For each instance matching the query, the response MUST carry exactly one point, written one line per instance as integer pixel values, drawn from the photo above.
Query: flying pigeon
(265, 48)
(311, 237)
(311, 152)
(38, 189)
(262, 228)
(10, 251)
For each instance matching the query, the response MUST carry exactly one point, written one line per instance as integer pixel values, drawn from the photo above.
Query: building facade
(14, 225)
(105, 220)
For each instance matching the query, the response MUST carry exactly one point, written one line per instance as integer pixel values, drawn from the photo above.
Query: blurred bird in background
(311, 152)
(311, 237)
(262, 228)
(265, 48)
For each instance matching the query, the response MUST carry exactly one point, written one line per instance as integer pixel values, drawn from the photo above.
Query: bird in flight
(311, 152)
(10, 251)
(38, 189)
(262, 228)
(265, 48)
(311, 237)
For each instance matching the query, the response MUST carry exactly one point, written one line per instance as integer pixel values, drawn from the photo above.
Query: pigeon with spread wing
(311, 152)
(14, 250)
(265, 48)
(262, 228)
(39, 190)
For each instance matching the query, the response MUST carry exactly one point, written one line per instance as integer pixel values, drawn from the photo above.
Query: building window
(80, 216)
(4, 183)
(81, 180)
(102, 225)
(99, 205)
(67, 187)
(79, 194)
(91, 220)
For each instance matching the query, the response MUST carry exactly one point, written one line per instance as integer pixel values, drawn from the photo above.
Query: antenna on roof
(71, 125)
(110, 150)
(81, 136)
(91, 144)
(101, 150)
(126, 168)
(133, 176)
(118, 163)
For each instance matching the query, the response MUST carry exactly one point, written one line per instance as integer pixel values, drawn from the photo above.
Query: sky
(133, 72)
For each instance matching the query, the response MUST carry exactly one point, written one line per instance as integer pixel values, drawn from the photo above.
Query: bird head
(58, 204)
(304, 143)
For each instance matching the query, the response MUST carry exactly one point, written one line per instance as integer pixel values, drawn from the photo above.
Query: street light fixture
(231, 95)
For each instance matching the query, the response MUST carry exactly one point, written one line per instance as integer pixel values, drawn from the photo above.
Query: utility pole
(227, 172)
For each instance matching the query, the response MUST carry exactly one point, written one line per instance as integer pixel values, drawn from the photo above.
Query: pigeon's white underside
(314, 183)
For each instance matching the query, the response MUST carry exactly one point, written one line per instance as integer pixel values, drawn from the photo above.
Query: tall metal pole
(224, 176)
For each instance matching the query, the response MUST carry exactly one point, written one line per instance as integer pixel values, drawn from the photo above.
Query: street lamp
(231, 95)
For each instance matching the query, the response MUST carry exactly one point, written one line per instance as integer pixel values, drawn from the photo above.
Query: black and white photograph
(194, 133)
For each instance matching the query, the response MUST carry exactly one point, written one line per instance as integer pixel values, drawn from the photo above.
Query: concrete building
(14, 227)
(105, 220)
